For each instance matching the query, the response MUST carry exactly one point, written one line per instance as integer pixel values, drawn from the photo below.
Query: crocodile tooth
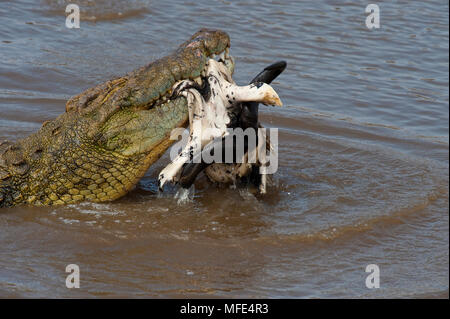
(222, 56)
(198, 80)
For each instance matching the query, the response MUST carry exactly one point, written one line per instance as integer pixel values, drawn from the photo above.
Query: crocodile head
(134, 114)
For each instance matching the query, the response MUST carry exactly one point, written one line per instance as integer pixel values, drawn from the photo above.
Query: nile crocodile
(109, 135)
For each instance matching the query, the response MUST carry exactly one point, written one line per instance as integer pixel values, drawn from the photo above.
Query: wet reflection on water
(363, 168)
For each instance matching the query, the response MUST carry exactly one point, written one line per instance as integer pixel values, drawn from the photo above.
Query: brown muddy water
(363, 159)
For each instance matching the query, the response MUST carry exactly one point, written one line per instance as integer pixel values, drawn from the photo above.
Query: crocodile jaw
(108, 137)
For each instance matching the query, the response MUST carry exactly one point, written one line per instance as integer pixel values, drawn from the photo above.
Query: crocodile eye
(56, 131)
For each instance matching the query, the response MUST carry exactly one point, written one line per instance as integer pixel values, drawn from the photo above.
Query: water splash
(185, 195)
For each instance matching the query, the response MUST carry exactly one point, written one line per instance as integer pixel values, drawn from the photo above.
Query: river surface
(363, 154)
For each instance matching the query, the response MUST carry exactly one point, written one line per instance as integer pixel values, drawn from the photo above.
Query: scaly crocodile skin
(108, 137)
